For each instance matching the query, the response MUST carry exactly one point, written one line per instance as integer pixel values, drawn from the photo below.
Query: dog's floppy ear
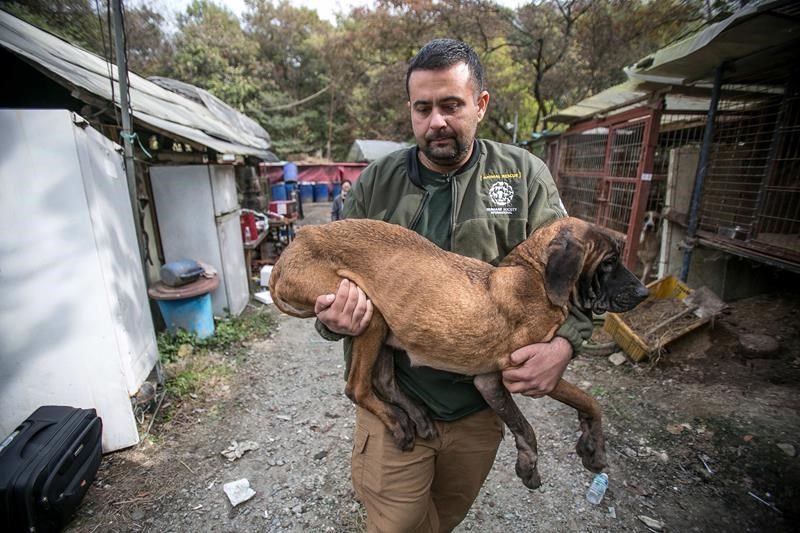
(565, 257)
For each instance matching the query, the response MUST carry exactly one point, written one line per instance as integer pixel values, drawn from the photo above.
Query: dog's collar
(413, 164)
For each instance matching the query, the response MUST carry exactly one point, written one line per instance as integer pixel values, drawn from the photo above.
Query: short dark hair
(440, 54)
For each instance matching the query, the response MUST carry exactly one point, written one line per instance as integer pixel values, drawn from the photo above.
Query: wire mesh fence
(752, 190)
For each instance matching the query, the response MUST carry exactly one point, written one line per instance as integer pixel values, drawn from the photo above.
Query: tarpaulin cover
(328, 173)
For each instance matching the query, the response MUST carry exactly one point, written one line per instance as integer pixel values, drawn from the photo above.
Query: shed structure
(706, 130)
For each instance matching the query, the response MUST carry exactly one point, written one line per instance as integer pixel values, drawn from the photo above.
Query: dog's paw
(592, 451)
(402, 430)
(426, 430)
(527, 471)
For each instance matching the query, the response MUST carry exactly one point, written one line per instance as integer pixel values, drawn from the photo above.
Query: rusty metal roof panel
(153, 105)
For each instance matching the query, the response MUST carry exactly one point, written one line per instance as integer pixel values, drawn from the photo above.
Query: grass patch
(227, 334)
(194, 365)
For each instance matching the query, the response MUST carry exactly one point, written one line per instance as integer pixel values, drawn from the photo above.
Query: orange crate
(633, 345)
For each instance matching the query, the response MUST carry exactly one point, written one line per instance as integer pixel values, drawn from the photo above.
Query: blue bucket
(278, 192)
(321, 192)
(337, 189)
(192, 314)
(306, 191)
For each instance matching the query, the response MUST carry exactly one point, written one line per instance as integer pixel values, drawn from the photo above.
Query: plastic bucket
(321, 192)
(337, 189)
(306, 191)
(192, 314)
(278, 191)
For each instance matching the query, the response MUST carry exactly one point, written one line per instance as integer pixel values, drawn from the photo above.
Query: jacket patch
(502, 193)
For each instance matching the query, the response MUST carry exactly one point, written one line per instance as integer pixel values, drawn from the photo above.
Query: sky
(326, 9)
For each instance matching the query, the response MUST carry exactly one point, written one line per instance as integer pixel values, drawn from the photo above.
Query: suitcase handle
(34, 427)
(68, 458)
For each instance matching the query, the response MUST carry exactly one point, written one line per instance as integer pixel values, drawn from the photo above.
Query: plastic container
(321, 192)
(337, 189)
(278, 191)
(597, 489)
(306, 191)
(187, 307)
(180, 272)
(248, 224)
(289, 172)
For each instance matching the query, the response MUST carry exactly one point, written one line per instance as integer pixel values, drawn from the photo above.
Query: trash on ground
(237, 449)
(652, 523)
(238, 491)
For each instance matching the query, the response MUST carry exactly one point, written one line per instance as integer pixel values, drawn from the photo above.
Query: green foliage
(227, 334)
(191, 380)
(538, 57)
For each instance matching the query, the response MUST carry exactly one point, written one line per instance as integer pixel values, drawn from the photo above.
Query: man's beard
(448, 154)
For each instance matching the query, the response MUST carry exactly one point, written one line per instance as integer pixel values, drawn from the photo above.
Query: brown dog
(459, 314)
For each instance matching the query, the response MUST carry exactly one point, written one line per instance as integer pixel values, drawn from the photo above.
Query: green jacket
(500, 196)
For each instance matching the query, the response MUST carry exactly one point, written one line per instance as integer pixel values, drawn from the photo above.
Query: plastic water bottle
(597, 489)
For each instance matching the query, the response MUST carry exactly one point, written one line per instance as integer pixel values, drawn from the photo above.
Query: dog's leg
(591, 445)
(646, 272)
(386, 387)
(366, 351)
(499, 399)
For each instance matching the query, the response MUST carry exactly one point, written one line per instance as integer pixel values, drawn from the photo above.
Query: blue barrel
(337, 189)
(191, 314)
(290, 187)
(306, 191)
(278, 192)
(289, 172)
(321, 192)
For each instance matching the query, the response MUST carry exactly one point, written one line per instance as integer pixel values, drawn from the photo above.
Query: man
(338, 202)
(477, 198)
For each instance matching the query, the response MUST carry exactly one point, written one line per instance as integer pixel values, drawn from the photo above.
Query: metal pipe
(702, 170)
(127, 133)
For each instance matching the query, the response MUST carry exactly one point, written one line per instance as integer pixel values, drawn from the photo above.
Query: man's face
(445, 112)
(345, 189)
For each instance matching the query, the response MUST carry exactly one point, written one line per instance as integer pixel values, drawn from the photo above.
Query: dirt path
(691, 443)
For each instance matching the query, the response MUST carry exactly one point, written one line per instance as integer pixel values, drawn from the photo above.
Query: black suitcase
(46, 466)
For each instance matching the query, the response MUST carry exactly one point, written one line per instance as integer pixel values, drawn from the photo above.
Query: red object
(248, 223)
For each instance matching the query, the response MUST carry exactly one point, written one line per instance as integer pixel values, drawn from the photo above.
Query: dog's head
(650, 222)
(584, 266)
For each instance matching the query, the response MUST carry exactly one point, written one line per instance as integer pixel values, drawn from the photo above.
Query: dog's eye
(610, 261)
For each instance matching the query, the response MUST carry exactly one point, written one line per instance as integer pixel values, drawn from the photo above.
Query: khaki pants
(431, 488)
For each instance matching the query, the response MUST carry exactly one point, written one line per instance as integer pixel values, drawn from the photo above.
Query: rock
(675, 428)
(788, 449)
(320, 455)
(652, 523)
(758, 346)
(137, 515)
(238, 491)
(617, 358)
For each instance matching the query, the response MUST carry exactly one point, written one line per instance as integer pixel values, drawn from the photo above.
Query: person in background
(338, 202)
(477, 198)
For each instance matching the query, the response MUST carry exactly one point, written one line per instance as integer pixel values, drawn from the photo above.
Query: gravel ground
(692, 443)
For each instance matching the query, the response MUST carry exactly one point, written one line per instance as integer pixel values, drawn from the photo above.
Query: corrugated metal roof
(758, 27)
(370, 150)
(152, 105)
(614, 97)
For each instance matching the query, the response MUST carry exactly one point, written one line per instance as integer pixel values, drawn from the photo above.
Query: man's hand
(538, 367)
(347, 312)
